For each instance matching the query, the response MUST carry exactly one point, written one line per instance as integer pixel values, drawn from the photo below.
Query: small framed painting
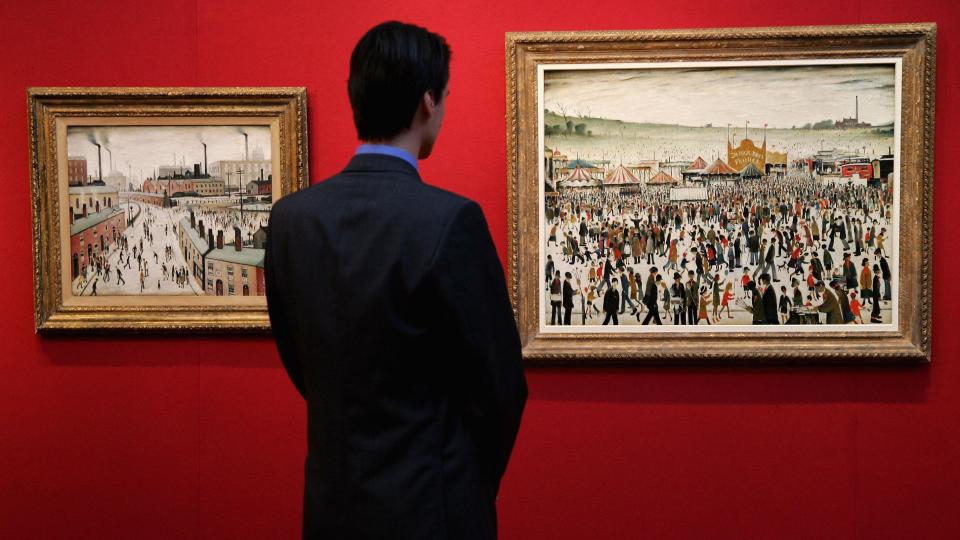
(722, 196)
(151, 205)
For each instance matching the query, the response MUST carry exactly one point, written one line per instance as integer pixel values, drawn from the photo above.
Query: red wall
(204, 437)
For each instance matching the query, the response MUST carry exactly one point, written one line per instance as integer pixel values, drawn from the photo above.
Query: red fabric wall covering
(204, 437)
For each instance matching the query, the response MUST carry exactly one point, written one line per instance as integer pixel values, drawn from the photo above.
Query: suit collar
(381, 163)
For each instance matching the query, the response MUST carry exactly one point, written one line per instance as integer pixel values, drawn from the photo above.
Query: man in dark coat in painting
(769, 300)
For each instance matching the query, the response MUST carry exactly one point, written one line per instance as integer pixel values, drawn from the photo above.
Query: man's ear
(429, 103)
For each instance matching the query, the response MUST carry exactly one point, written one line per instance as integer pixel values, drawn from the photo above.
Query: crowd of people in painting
(149, 251)
(136, 247)
(777, 250)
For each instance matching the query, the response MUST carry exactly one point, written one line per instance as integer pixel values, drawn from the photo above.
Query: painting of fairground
(719, 196)
(168, 210)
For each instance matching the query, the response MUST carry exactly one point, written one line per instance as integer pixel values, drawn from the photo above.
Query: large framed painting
(151, 205)
(749, 196)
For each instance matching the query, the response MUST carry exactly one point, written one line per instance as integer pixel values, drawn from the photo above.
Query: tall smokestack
(99, 163)
(246, 147)
(111, 158)
(204, 158)
(857, 108)
(237, 240)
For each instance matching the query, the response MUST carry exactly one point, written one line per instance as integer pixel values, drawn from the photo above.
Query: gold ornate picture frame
(601, 159)
(122, 180)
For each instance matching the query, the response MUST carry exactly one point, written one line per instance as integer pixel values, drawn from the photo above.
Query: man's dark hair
(391, 67)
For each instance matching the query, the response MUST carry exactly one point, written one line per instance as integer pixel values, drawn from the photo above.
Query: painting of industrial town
(685, 197)
(168, 210)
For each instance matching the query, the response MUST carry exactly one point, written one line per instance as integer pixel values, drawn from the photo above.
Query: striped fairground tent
(750, 171)
(719, 168)
(620, 177)
(661, 179)
(697, 165)
(578, 177)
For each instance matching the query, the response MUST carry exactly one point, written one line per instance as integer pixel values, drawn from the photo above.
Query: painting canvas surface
(719, 196)
(167, 210)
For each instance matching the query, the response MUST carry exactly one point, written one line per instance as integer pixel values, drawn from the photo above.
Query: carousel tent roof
(718, 167)
(581, 163)
(751, 171)
(620, 176)
(661, 178)
(697, 164)
(578, 177)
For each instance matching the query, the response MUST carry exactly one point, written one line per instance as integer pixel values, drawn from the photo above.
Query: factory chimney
(856, 113)
(99, 163)
(220, 239)
(204, 158)
(236, 239)
(246, 147)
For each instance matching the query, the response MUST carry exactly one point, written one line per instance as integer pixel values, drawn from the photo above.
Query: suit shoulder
(302, 199)
(289, 201)
(440, 209)
(443, 198)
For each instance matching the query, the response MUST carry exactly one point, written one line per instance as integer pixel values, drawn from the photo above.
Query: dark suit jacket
(567, 294)
(771, 253)
(611, 300)
(390, 312)
(885, 268)
(650, 295)
(770, 306)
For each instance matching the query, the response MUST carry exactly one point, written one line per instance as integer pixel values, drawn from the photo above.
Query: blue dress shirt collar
(367, 148)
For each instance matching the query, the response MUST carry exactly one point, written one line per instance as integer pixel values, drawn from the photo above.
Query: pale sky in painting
(781, 96)
(148, 147)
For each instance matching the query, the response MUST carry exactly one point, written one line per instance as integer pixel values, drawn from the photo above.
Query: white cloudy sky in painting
(781, 96)
(148, 147)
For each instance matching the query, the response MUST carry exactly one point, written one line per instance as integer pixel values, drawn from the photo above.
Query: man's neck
(408, 141)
